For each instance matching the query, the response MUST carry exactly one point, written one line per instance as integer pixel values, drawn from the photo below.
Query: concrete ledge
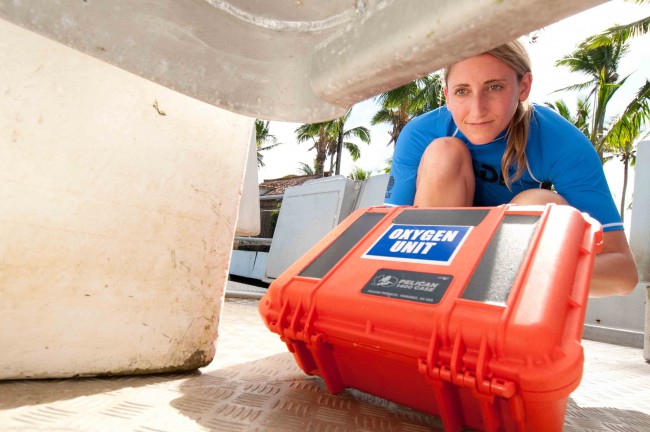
(244, 295)
(615, 336)
(242, 290)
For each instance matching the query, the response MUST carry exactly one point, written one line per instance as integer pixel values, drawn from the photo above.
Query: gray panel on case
(342, 245)
(495, 274)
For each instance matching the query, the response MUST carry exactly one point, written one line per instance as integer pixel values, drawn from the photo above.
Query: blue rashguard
(557, 153)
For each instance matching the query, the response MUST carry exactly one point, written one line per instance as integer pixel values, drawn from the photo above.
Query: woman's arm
(614, 269)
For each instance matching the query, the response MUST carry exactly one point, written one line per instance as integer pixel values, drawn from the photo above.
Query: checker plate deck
(254, 385)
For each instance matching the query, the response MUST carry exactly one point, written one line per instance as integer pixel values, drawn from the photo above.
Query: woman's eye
(495, 87)
(460, 92)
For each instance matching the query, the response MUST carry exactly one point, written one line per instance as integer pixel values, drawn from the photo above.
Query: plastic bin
(474, 315)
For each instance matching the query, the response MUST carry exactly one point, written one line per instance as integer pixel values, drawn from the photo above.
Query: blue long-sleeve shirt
(557, 152)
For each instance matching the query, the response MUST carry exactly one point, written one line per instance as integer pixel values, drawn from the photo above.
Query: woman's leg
(537, 197)
(445, 175)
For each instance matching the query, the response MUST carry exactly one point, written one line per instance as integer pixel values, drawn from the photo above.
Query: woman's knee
(445, 176)
(446, 154)
(538, 197)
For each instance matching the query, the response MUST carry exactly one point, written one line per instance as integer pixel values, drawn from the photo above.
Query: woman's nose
(478, 104)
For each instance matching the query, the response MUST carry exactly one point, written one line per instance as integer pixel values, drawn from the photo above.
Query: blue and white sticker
(432, 244)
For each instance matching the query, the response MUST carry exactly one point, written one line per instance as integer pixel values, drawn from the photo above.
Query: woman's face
(482, 94)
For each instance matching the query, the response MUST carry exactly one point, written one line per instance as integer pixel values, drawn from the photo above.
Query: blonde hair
(513, 54)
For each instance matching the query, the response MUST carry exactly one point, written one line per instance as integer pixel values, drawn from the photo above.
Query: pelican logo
(408, 285)
(385, 281)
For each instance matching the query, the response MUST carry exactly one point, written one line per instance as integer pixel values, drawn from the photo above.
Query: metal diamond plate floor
(254, 385)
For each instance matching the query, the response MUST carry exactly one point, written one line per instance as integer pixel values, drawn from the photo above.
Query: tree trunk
(321, 154)
(625, 172)
(339, 150)
(320, 163)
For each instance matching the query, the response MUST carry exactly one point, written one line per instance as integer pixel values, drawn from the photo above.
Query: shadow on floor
(272, 394)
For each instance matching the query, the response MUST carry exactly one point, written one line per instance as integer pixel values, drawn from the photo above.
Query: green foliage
(580, 120)
(328, 137)
(317, 132)
(274, 216)
(306, 169)
(359, 174)
(599, 57)
(389, 165)
(624, 32)
(625, 131)
(400, 105)
(264, 140)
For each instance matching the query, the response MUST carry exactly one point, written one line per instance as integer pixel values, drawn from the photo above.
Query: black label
(406, 285)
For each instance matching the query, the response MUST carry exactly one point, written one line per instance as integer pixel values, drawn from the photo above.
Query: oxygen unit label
(407, 285)
(431, 244)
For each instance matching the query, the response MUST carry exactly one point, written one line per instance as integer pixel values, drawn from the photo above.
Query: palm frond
(626, 31)
(264, 140)
(360, 132)
(353, 149)
(561, 107)
(309, 130)
(384, 115)
(638, 110)
(306, 169)
(394, 98)
(575, 87)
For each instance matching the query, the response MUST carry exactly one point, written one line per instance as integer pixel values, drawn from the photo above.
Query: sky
(553, 42)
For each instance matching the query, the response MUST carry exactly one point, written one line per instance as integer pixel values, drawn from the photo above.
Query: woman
(488, 147)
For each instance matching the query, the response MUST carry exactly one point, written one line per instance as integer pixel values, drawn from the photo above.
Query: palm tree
(625, 131)
(431, 95)
(580, 120)
(400, 105)
(317, 132)
(390, 116)
(598, 56)
(328, 137)
(336, 146)
(264, 140)
(600, 62)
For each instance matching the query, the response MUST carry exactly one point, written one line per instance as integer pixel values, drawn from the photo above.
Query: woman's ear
(524, 86)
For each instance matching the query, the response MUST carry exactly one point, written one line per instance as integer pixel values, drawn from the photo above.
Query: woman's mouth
(480, 124)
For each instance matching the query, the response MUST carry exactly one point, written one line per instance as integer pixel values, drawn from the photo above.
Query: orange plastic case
(474, 315)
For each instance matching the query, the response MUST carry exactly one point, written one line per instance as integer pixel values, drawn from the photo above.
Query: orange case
(474, 315)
